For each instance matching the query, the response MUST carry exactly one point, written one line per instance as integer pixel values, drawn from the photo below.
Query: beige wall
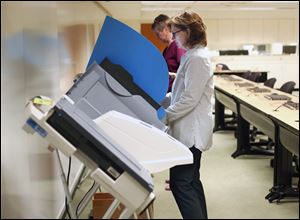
(135, 24)
(232, 33)
(231, 29)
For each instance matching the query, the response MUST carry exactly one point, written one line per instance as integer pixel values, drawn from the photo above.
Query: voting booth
(110, 119)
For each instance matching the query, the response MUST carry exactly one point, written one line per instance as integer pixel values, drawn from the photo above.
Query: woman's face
(180, 36)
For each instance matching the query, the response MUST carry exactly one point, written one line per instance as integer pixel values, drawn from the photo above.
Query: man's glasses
(174, 33)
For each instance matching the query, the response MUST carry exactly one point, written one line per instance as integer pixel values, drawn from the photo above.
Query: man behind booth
(172, 53)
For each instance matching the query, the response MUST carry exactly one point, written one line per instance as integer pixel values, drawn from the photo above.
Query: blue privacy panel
(124, 46)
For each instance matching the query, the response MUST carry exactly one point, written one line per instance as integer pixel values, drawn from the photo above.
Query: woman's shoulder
(199, 53)
(198, 56)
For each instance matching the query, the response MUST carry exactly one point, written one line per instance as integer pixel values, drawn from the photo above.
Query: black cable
(68, 176)
(276, 109)
(84, 198)
(67, 208)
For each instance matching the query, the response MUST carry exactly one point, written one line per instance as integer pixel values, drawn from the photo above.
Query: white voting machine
(112, 134)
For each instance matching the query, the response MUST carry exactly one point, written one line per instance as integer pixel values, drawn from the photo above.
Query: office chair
(270, 82)
(246, 75)
(288, 87)
(254, 76)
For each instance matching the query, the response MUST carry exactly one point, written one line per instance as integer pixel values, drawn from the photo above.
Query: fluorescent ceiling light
(165, 2)
(162, 9)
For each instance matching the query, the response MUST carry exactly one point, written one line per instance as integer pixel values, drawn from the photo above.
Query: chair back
(246, 75)
(254, 76)
(270, 82)
(288, 87)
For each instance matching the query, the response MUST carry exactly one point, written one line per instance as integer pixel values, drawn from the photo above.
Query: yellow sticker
(42, 101)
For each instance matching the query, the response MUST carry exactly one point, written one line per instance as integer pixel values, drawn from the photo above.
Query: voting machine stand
(110, 124)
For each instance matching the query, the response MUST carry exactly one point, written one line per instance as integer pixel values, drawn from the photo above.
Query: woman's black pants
(187, 188)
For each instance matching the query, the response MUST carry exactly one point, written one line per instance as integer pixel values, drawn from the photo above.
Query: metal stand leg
(82, 179)
(87, 199)
(126, 214)
(135, 216)
(73, 187)
(112, 208)
(66, 188)
(147, 213)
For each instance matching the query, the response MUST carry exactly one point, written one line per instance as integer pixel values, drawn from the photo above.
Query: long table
(273, 118)
(262, 78)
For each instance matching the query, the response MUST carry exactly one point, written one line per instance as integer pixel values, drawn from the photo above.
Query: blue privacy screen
(124, 46)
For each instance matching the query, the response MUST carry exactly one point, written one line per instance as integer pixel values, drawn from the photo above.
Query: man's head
(161, 28)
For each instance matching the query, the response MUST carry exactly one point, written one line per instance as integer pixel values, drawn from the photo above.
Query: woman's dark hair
(160, 22)
(193, 22)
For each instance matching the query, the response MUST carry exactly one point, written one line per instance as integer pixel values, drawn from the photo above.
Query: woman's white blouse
(189, 115)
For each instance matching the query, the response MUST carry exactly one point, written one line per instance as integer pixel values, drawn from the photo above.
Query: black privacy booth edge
(126, 80)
